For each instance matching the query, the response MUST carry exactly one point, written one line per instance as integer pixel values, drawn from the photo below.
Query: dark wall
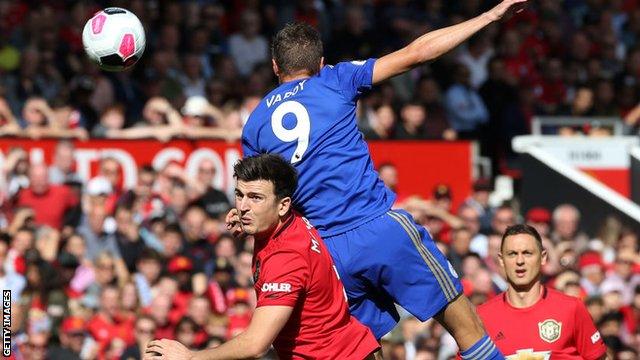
(543, 186)
(635, 180)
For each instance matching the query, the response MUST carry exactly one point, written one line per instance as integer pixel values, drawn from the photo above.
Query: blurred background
(114, 186)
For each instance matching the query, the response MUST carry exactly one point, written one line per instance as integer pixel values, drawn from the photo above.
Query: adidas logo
(500, 336)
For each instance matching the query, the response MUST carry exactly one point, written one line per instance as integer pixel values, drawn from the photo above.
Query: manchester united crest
(256, 273)
(550, 330)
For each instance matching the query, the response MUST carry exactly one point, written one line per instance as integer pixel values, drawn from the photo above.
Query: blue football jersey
(312, 123)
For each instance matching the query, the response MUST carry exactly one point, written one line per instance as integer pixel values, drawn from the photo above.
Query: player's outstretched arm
(266, 323)
(435, 43)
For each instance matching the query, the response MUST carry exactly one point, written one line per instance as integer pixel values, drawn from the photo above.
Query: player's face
(259, 209)
(522, 260)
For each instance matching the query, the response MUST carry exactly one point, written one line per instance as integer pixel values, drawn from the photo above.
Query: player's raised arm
(435, 43)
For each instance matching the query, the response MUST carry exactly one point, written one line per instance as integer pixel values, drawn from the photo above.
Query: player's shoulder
(297, 231)
(555, 295)
(333, 70)
(560, 299)
(291, 236)
(496, 302)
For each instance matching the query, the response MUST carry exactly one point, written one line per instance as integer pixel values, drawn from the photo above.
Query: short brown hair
(522, 229)
(297, 47)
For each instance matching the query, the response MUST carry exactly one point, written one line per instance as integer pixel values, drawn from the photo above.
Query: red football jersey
(558, 326)
(294, 268)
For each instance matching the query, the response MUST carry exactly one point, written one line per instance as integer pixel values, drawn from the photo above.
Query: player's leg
(419, 278)
(462, 322)
(352, 256)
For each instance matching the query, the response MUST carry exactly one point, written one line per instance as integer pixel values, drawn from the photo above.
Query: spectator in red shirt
(181, 267)
(199, 310)
(107, 325)
(49, 202)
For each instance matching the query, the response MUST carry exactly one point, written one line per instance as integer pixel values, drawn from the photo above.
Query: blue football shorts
(392, 260)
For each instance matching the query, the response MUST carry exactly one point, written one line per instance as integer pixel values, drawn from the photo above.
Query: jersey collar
(285, 224)
(543, 296)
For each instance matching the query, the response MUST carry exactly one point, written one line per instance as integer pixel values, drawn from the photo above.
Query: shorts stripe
(445, 283)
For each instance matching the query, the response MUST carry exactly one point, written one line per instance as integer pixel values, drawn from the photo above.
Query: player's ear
(284, 206)
(500, 259)
(275, 67)
(544, 256)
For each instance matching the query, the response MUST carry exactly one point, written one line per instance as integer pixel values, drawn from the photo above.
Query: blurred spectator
(15, 170)
(149, 266)
(197, 247)
(199, 310)
(460, 241)
(476, 58)
(10, 279)
(389, 175)
(8, 121)
(215, 202)
(199, 112)
(540, 219)
(72, 337)
(192, 80)
(551, 91)
(106, 325)
(465, 109)
(49, 202)
(479, 200)
(96, 228)
(127, 235)
(479, 242)
(503, 217)
(592, 272)
(62, 170)
(248, 47)
(582, 104)
(623, 277)
(185, 333)
(160, 120)
(111, 120)
(382, 124)
(413, 118)
(181, 268)
(565, 227)
(354, 39)
(144, 331)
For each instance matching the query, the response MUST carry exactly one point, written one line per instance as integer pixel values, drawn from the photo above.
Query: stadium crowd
(97, 270)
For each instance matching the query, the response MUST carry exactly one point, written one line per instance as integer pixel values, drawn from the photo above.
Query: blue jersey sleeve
(355, 77)
(248, 147)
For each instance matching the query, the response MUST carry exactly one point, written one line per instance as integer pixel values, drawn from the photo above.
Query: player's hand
(501, 9)
(166, 349)
(233, 223)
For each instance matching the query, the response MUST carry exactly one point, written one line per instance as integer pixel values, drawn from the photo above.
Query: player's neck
(526, 297)
(293, 77)
(276, 229)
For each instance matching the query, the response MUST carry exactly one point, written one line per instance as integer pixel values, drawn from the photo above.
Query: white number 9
(299, 133)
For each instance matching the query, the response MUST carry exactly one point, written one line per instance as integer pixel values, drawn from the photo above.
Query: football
(114, 39)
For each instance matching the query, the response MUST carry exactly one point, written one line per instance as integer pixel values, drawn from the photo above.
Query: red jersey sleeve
(283, 278)
(588, 340)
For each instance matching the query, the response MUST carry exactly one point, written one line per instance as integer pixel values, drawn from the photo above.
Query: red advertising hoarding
(421, 165)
